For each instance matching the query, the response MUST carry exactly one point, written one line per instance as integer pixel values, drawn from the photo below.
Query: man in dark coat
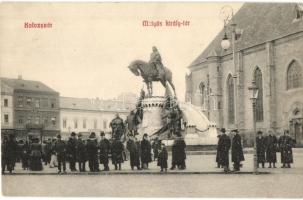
(286, 143)
(133, 147)
(117, 126)
(47, 151)
(271, 149)
(145, 152)
(261, 148)
(218, 153)
(25, 154)
(162, 157)
(178, 154)
(223, 148)
(9, 148)
(117, 149)
(81, 153)
(71, 151)
(236, 151)
(92, 152)
(104, 151)
(156, 146)
(60, 149)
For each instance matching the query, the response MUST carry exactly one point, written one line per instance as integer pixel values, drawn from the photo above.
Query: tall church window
(230, 100)
(202, 93)
(259, 101)
(294, 75)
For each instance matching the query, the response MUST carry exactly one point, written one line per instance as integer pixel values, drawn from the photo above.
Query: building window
(37, 103)
(75, 123)
(219, 105)
(259, 101)
(37, 120)
(20, 101)
(294, 75)
(29, 101)
(45, 121)
(64, 123)
(84, 123)
(5, 102)
(95, 124)
(6, 120)
(29, 119)
(202, 93)
(20, 120)
(53, 103)
(230, 100)
(44, 103)
(54, 121)
(104, 124)
(299, 11)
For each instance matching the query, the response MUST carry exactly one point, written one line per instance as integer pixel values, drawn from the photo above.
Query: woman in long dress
(36, 156)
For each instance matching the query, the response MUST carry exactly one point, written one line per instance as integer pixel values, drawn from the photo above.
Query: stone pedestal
(152, 112)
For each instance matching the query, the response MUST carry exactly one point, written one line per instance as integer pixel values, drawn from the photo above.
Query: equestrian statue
(152, 71)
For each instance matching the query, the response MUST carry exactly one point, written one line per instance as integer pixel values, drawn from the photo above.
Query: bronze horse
(149, 74)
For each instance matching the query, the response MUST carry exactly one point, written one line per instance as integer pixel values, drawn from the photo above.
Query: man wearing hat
(286, 143)
(236, 151)
(92, 152)
(60, 149)
(271, 149)
(71, 151)
(261, 147)
(81, 153)
(223, 148)
(134, 151)
(104, 151)
(145, 152)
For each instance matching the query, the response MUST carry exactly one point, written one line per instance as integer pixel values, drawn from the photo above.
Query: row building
(268, 51)
(31, 108)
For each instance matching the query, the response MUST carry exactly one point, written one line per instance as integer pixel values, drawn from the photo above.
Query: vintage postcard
(151, 99)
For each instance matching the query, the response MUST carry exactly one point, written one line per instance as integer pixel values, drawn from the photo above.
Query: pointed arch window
(294, 75)
(202, 93)
(230, 100)
(259, 101)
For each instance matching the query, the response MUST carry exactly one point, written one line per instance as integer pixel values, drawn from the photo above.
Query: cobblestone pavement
(278, 183)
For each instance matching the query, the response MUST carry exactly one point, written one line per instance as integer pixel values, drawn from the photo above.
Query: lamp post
(254, 95)
(226, 14)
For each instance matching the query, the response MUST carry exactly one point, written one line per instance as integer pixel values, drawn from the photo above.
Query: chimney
(19, 77)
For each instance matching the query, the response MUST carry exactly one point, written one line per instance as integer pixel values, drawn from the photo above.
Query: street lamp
(226, 14)
(254, 95)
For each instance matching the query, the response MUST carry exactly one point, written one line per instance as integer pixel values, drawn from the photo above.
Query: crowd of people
(266, 149)
(77, 151)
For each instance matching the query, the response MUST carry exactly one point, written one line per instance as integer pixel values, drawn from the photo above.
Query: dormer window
(299, 11)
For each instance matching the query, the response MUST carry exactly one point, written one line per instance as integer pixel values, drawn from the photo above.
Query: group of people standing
(77, 151)
(266, 147)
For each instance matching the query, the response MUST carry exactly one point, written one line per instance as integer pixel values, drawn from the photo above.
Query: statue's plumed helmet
(155, 48)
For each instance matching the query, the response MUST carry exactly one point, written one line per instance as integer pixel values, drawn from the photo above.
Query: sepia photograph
(151, 99)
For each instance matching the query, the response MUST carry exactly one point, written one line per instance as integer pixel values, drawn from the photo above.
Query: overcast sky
(88, 48)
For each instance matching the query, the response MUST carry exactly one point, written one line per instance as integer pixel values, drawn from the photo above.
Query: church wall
(285, 51)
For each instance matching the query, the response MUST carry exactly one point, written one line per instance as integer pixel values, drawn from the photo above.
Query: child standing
(162, 158)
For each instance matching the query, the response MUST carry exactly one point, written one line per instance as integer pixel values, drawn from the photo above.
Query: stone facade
(282, 106)
(35, 108)
(82, 115)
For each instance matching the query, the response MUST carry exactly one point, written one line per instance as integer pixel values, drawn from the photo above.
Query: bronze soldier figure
(155, 59)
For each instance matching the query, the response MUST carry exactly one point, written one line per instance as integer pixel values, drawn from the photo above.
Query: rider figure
(155, 59)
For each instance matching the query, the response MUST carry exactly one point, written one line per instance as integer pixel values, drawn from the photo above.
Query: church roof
(260, 22)
(27, 85)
